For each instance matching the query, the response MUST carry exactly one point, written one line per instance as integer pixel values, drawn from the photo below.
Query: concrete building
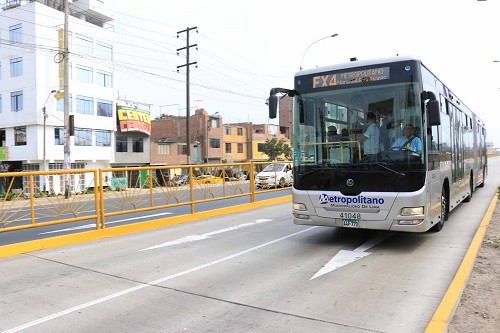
(31, 85)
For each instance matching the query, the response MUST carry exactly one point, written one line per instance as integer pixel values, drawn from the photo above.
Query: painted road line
(194, 238)
(148, 284)
(92, 225)
(345, 257)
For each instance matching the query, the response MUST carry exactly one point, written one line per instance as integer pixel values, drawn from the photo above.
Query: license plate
(350, 223)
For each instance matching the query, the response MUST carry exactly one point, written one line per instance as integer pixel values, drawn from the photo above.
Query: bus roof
(356, 63)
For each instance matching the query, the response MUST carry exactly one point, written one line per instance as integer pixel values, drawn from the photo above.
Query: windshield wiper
(324, 167)
(384, 166)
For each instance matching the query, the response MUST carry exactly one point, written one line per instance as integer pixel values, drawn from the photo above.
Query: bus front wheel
(444, 211)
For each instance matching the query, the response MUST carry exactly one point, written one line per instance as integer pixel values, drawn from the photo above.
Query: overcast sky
(246, 48)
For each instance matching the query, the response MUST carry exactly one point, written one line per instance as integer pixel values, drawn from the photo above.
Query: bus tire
(444, 211)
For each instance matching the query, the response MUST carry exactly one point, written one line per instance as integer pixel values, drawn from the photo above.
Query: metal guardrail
(34, 199)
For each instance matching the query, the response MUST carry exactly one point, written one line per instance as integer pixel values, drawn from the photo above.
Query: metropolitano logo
(324, 199)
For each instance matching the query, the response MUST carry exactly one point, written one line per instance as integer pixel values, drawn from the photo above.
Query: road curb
(88, 236)
(444, 313)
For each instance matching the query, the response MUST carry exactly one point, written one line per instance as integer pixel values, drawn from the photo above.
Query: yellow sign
(60, 58)
(134, 120)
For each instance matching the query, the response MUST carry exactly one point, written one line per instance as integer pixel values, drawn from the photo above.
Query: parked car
(179, 180)
(207, 179)
(275, 175)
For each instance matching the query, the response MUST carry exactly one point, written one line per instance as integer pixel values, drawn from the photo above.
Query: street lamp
(208, 129)
(302, 64)
(44, 109)
(45, 116)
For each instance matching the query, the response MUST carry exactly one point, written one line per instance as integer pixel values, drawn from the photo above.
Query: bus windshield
(372, 127)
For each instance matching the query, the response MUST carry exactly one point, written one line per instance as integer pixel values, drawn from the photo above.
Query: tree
(274, 148)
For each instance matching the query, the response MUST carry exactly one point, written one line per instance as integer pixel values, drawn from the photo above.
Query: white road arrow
(345, 257)
(193, 238)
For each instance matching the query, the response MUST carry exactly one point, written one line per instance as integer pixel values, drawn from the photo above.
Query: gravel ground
(479, 307)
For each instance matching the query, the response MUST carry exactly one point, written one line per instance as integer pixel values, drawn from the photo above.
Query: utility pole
(187, 64)
(67, 138)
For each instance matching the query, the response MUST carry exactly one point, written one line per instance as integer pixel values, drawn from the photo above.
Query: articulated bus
(381, 144)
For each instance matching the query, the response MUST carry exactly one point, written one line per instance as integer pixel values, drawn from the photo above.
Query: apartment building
(32, 123)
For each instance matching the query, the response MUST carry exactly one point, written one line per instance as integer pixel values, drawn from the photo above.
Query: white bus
(405, 170)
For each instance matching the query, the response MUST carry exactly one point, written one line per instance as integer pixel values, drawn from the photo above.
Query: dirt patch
(479, 307)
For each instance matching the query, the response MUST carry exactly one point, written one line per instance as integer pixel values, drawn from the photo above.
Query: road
(250, 271)
(12, 237)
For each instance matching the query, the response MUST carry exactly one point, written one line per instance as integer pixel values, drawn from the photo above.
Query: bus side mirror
(273, 106)
(433, 113)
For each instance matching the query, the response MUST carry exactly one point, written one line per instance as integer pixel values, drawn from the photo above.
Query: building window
(138, 145)
(228, 147)
(84, 105)
(16, 101)
(83, 137)
(16, 33)
(121, 144)
(60, 104)
(104, 79)
(214, 143)
(228, 130)
(182, 149)
(103, 51)
(20, 136)
(59, 136)
(240, 148)
(82, 44)
(239, 131)
(260, 147)
(104, 108)
(213, 122)
(102, 138)
(84, 74)
(163, 149)
(16, 67)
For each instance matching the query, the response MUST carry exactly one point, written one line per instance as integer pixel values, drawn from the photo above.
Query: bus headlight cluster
(299, 206)
(410, 211)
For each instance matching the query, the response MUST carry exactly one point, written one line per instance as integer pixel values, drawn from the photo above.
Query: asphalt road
(252, 271)
(13, 237)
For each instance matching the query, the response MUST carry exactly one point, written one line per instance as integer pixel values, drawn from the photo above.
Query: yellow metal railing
(41, 198)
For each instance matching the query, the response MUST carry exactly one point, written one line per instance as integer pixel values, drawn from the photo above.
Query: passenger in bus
(332, 134)
(408, 140)
(371, 136)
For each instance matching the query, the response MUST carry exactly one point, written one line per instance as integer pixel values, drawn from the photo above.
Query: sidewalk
(479, 306)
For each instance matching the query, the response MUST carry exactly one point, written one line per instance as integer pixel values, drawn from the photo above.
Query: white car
(275, 175)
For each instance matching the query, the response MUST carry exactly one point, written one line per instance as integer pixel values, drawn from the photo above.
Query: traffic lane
(260, 274)
(138, 306)
(12, 237)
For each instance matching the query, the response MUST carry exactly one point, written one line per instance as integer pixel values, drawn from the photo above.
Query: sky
(245, 48)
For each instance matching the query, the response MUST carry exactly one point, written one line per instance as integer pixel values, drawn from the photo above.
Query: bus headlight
(299, 206)
(408, 211)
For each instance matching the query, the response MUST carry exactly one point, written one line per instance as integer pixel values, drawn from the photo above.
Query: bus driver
(408, 140)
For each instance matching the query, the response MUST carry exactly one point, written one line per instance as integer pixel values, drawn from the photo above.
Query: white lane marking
(345, 257)
(193, 238)
(92, 225)
(148, 284)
